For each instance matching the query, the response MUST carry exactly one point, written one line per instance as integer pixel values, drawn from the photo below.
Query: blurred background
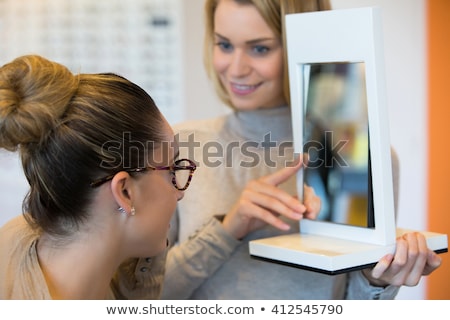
(158, 45)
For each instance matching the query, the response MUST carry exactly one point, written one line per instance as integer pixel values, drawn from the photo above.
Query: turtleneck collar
(253, 125)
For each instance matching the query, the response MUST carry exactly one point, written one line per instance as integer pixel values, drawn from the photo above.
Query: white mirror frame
(351, 35)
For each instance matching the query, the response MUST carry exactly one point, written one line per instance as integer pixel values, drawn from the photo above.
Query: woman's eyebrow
(220, 36)
(250, 41)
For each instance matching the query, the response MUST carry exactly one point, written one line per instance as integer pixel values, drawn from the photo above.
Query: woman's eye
(224, 46)
(260, 49)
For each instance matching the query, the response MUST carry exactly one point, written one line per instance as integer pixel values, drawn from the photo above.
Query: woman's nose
(239, 64)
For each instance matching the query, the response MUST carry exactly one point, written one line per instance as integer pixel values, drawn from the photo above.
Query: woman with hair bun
(104, 177)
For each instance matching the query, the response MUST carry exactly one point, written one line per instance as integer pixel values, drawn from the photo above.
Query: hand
(262, 202)
(411, 261)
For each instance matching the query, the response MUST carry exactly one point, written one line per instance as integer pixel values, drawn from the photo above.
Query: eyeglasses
(182, 171)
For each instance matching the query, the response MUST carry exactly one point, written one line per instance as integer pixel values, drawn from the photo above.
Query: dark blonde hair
(70, 130)
(273, 12)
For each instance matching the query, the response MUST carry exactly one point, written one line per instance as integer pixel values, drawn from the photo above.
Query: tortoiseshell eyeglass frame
(173, 168)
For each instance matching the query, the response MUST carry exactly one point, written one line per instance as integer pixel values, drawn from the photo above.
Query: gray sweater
(204, 261)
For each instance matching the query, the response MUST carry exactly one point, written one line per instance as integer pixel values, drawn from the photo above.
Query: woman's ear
(121, 190)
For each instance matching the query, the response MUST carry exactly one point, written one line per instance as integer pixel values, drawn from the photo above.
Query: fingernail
(297, 215)
(285, 227)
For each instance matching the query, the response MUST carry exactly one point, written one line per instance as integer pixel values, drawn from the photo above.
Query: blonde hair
(272, 12)
(70, 130)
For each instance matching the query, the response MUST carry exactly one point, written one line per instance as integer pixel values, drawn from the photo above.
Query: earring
(132, 211)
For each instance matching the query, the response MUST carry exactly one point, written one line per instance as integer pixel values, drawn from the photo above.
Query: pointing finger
(282, 175)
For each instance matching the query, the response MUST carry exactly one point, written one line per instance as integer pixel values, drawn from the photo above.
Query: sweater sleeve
(359, 288)
(190, 263)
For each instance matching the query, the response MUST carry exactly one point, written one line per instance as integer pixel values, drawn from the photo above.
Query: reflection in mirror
(337, 141)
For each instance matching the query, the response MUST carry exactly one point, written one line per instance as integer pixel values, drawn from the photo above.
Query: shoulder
(20, 274)
(16, 236)
(14, 229)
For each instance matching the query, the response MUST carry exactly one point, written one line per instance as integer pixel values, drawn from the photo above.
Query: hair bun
(34, 94)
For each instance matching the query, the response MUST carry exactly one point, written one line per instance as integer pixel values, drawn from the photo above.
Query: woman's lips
(243, 89)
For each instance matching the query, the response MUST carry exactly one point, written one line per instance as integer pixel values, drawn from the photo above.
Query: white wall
(13, 186)
(200, 97)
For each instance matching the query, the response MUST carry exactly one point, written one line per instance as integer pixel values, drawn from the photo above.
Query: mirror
(336, 139)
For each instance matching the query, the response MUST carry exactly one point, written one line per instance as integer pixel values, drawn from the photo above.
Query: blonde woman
(244, 187)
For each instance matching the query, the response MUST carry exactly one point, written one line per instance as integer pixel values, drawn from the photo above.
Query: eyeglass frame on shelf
(173, 168)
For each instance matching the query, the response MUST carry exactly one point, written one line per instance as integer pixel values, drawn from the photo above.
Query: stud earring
(122, 210)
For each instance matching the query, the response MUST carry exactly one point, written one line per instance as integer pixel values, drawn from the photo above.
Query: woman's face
(155, 201)
(248, 57)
